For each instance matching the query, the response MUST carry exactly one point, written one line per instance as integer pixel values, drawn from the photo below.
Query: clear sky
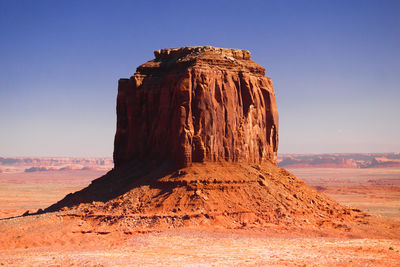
(335, 67)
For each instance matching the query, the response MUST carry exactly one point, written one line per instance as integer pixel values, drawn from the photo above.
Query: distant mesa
(45, 164)
(39, 169)
(342, 160)
(9, 161)
(65, 168)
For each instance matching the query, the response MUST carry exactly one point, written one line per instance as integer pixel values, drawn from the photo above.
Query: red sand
(54, 239)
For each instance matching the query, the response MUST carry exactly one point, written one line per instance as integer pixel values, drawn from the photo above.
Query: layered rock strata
(197, 104)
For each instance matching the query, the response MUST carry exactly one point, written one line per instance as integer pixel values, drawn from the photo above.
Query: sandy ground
(215, 249)
(374, 189)
(21, 192)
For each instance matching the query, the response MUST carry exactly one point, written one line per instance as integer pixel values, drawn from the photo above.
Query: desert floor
(22, 191)
(374, 190)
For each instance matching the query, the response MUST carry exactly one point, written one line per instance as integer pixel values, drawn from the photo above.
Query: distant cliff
(335, 160)
(41, 164)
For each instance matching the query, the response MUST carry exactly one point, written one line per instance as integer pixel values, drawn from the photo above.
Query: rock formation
(211, 113)
(197, 104)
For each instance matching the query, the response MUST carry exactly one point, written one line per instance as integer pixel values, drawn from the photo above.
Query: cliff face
(197, 104)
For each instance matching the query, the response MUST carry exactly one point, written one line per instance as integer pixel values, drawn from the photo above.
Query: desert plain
(63, 241)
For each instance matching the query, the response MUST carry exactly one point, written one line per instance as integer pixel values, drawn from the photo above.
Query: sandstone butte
(197, 104)
(196, 145)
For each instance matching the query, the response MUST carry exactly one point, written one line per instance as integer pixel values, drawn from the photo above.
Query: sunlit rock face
(197, 104)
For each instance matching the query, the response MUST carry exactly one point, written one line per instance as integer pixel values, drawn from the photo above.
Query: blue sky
(335, 67)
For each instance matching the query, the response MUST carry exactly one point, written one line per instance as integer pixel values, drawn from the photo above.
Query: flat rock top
(196, 50)
(177, 59)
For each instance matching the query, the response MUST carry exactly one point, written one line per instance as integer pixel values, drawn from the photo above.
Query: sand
(63, 241)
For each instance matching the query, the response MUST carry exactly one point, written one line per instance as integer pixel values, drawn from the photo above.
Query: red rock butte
(196, 145)
(197, 104)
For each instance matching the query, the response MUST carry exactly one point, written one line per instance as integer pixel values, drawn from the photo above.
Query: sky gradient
(335, 67)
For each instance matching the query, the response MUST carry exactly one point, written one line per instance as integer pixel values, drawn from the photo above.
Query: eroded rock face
(197, 104)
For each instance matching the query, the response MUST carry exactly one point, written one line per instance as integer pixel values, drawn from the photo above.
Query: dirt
(21, 191)
(95, 233)
(201, 248)
(375, 191)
